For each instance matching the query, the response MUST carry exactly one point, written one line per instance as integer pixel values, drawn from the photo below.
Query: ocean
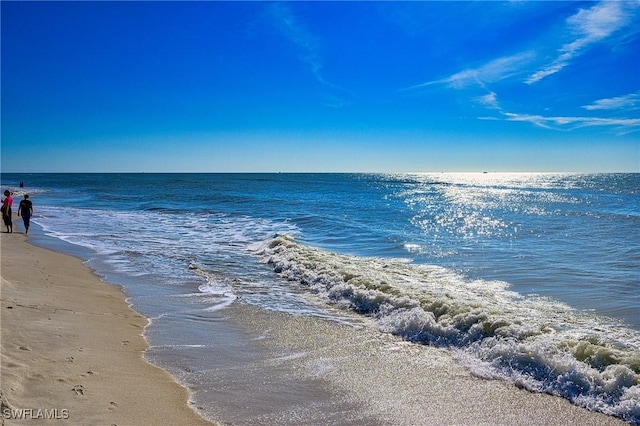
(532, 278)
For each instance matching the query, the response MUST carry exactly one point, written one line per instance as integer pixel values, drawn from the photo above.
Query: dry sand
(72, 346)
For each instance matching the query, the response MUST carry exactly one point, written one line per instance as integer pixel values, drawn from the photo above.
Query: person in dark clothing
(25, 209)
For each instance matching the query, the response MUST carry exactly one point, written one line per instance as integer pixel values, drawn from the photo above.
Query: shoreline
(72, 347)
(294, 370)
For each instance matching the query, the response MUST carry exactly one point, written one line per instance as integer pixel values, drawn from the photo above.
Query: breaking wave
(537, 343)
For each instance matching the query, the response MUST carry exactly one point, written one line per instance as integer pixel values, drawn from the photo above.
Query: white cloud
(496, 70)
(627, 102)
(585, 28)
(491, 72)
(588, 27)
(574, 122)
(490, 100)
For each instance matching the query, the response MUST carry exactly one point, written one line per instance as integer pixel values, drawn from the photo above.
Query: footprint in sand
(79, 389)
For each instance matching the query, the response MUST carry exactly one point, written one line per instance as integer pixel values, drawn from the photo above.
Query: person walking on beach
(6, 210)
(26, 210)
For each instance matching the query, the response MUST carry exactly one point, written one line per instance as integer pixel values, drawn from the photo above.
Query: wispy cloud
(587, 28)
(627, 102)
(630, 124)
(491, 72)
(620, 125)
(295, 31)
(490, 100)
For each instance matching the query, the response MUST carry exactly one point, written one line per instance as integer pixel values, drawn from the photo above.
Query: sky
(316, 86)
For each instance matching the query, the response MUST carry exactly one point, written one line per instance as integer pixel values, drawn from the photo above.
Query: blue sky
(320, 86)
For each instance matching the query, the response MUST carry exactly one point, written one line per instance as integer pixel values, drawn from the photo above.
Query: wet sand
(72, 345)
(293, 370)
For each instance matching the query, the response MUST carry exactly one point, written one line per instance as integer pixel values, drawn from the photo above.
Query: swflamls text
(35, 413)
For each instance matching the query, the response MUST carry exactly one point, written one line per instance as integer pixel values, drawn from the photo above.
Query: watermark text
(35, 413)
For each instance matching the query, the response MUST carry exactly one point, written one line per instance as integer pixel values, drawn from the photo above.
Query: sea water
(530, 278)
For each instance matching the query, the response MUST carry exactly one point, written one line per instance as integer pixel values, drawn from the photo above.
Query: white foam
(539, 343)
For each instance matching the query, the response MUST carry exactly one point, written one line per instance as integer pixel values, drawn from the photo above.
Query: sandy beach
(72, 350)
(72, 347)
